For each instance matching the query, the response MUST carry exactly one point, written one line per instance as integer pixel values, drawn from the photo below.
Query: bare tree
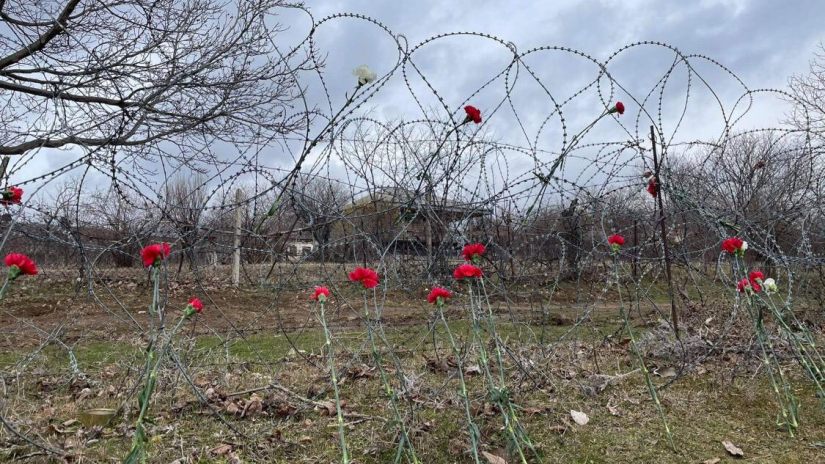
(318, 203)
(125, 222)
(135, 74)
(809, 93)
(186, 198)
(761, 185)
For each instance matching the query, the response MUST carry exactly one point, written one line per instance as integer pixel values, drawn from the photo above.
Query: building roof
(407, 199)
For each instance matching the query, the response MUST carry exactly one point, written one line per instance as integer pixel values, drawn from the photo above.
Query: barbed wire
(402, 196)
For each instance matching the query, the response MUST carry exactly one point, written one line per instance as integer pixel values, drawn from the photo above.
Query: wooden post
(236, 248)
(674, 316)
(635, 249)
(428, 224)
(3, 166)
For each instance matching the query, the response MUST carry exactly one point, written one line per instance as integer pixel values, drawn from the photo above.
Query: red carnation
(466, 271)
(438, 292)
(473, 114)
(652, 187)
(617, 108)
(320, 292)
(473, 250)
(755, 277)
(615, 239)
(12, 196)
(196, 304)
(732, 245)
(20, 264)
(151, 254)
(365, 275)
(743, 285)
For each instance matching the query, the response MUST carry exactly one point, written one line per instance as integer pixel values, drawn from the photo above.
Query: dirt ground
(251, 382)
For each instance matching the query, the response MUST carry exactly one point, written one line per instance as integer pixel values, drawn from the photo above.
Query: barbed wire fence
(541, 189)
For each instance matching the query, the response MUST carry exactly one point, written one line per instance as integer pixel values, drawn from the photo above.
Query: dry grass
(705, 407)
(248, 341)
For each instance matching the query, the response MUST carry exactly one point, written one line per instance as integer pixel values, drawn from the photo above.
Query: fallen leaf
(472, 369)
(613, 410)
(71, 423)
(253, 406)
(579, 417)
(54, 430)
(711, 461)
(327, 408)
(85, 393)
(221, 450)
(232, 408)
(530, 411)
(733, 449)
(492, 458)
(667, 372)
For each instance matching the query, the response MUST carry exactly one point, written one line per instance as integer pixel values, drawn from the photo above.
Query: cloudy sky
(761, 42)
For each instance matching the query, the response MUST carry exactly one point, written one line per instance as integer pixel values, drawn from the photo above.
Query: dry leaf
(579, 417)
(668, 372)
(733, 449)
(253, 406)
(711, 461)
(54, 430)
(492, 458)
(232, 408)
(85, 393)
(221, 450)
(327, 408)
(613, 409)
(472, 369)
(530, 411)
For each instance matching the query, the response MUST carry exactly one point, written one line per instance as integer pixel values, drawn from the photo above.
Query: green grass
(702, 409)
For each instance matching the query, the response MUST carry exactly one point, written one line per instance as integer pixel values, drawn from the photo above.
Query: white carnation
(364, 74)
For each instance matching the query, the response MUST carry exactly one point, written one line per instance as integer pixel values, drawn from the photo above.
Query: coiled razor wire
(534, 182)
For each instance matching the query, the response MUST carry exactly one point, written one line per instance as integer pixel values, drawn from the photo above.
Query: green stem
(473, 429)
(498, 392)
(5, 287)
(390, 392)
(635, 349)
(331, 362)
(787, 400)
(137, 453)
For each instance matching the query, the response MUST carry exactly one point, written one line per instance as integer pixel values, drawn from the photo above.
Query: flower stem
(498, 392)
(5, 287)
(331, 363)
(635, 349)
(405, 442)
(472, 428)
(137, 453)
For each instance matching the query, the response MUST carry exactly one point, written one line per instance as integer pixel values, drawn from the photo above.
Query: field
(255, 231)
(249, 382)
